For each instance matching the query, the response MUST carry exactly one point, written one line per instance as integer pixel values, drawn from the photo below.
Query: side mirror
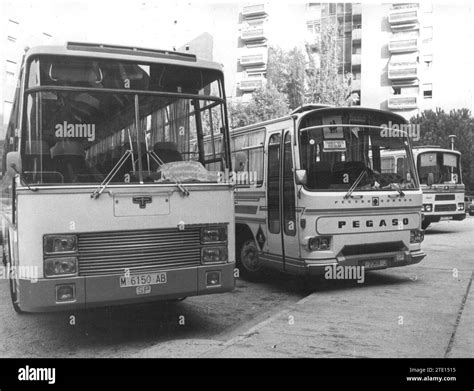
(13, 164)
(430, 179)
(300, 177)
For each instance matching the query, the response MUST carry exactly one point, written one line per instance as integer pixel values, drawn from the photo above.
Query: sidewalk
(337, 322)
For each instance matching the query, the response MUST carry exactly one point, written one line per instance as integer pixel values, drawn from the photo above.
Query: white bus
(106, 201)
(440, 176)
(321, 198)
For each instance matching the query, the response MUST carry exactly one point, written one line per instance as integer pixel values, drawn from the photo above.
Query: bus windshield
(340, 153)
(444, 166)
(77, 128)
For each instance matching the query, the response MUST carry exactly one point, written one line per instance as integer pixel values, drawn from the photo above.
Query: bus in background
(440, 176)
(109, 201)
(321, 199)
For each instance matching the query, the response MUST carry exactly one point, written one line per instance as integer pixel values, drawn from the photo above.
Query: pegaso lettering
(371, 223)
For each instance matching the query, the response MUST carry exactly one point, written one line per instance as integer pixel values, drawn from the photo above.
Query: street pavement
(423, 310)
(420, 311)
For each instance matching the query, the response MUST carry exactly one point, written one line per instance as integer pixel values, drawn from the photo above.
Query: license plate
(143, 290)
(142, 279)
(376, 263)
(447, 218)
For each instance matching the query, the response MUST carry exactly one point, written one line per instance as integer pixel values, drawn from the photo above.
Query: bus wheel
(425, 224)
(248, 260)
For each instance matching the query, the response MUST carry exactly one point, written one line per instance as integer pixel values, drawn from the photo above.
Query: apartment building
(413, 56)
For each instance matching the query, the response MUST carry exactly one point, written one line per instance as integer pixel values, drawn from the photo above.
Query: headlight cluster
(319, 243)
(213, 234)
(214, 254)
(460, 205)
(211, 252)
(427, 208)
(60, 255)
(416, 236)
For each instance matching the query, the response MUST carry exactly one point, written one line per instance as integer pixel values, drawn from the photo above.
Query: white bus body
(440, 176)
(104, 200)
(301, 215)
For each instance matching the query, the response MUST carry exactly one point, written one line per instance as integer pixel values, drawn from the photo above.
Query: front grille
(103, 253)
(372, 248)
(445, 208)
(444, 197)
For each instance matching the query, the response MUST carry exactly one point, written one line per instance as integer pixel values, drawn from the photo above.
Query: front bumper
(100, 291)
(319, 267)
(434, 218)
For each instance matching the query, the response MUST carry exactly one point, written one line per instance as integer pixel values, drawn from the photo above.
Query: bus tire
(250, 268)
(425, 224)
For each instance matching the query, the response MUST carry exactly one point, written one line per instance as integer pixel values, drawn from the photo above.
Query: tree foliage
(324, 82)
(436, 126)
(266, 103)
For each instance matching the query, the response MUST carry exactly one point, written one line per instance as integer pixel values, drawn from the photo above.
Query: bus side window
(289, 212)
(273, 191)
(401, 167)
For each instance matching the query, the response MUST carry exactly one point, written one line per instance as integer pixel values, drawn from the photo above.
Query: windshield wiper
(396, 186)
(160, 162)
(97, 192)
(355, 184)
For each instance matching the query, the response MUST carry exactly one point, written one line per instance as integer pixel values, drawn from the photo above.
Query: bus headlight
(427, 208)
(214, 254)
(213, 234)
(460, 205)
(53, 244)
(416, 236)
(319, 243)
(64, 266)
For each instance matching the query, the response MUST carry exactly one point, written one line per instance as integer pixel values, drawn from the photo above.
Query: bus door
(281, 213)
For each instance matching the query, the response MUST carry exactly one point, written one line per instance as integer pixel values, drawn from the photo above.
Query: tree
(286, 73)
(436, 126)
(324, 82)
(266, 103)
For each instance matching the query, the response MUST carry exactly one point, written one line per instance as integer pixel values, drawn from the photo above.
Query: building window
(427, 91)
(313, 27)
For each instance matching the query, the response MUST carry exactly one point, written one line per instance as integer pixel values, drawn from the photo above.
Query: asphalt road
(156, 330)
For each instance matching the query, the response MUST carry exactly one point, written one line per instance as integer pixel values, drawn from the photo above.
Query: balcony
(356, 9)
(403, 71)
(403, 102)
(253, 60)
(254, 10)
(355, 85)
(356, 35)
(403, 66)
(403, 16)
(356, 60)
(250, 85)
(403, 45)
(252, 34)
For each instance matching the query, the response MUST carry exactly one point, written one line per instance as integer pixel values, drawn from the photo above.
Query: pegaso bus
(321, 199)
(106, 202)
(439, 171)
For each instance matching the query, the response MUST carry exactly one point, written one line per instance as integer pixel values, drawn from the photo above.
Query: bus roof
(304, 110)
(434, 148)
(126, 53)
(422, 148)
